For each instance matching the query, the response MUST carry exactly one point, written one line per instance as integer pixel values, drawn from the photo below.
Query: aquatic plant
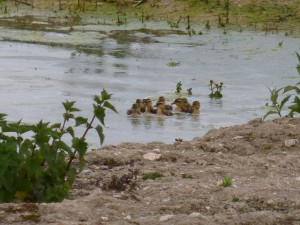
(173, 64)
(293, 90)
(189, 91)
(178, 87)
(36, 164)
(215, 89)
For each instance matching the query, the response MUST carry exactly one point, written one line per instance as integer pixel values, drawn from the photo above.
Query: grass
(152, 175)
(226, 182)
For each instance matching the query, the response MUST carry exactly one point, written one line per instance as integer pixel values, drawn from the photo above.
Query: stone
(165, 218)
(291, 142)
(152, 156)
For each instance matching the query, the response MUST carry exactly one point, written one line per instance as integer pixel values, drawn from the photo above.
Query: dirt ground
(261, 158)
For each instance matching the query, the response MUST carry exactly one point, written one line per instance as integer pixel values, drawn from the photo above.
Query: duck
(161, 109)
(178, 103)
(186, 106)
(149, 108)
(162, 99)
(134, 110)
(195, 109)
(138, 102)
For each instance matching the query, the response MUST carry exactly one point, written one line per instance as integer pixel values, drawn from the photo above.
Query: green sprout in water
(215, 89)
(173, 64)
(189, 91)
(178, 87)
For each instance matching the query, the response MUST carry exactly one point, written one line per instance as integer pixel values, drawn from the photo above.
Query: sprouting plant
(235, 198)
(226, 182)
(276, 106)
(189, 91)
(178, 87)
(186, 175)
(36, 164)
(293, 90)
(173, 64)
(152, 175)
(215, 89)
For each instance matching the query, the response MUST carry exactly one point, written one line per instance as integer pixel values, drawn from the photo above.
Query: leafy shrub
(35, 163)
(292, 90)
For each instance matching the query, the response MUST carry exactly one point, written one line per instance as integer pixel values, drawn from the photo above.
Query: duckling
(134, 110)
(162, 99)
(161, 110)
(144, 101)
(186, 106)
(195, 108)
(138, 102)
(149, 108)
(178, 103)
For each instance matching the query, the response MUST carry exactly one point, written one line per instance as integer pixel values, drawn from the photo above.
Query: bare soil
(264, 169)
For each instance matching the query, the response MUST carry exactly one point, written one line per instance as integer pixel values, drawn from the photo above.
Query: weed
(215, 89)
(41, 168)
(152, 175)
(172, 174)
(226, 182)
(235, 198)
(178, 87)
(186, 175)
(277, 107)
(173, 64)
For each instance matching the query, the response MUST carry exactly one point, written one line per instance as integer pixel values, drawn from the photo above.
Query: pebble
(297, 178)
(237, 137)
(165, 218)
(152, 156)
(291, 142)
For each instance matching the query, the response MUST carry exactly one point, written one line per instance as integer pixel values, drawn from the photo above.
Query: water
(35, 79)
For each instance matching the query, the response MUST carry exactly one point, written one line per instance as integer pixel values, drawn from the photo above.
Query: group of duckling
(161, 108)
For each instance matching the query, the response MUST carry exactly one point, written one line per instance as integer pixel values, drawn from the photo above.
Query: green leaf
(2, 116)
(97, 100)
(63, 146)
(297, 100)
(68, 105)
(109, 106)
(105, 96)
(79, 145)
(99, 112)
(284, 101)
(68, 116)
(70, 131)
(99, 130)
(55, 125)
(80, 120)
(295, 108)
(269, 113)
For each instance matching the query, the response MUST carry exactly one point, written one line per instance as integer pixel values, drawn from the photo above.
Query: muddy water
(35, 79)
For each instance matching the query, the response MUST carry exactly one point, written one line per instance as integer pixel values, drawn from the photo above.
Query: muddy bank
(263, 166)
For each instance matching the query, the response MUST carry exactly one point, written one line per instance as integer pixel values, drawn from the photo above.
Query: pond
(36, 78)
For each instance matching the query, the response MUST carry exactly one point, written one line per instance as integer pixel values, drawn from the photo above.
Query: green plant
(36, 164)
(215, 89)
(173, 64)
(293, 90)
(235, 198)
(178, 87)
(226, 182)
(189, 91)
(276, 107)
(152, 175)
(186, 175)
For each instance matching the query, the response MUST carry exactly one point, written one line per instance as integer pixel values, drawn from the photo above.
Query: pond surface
(35, 79)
